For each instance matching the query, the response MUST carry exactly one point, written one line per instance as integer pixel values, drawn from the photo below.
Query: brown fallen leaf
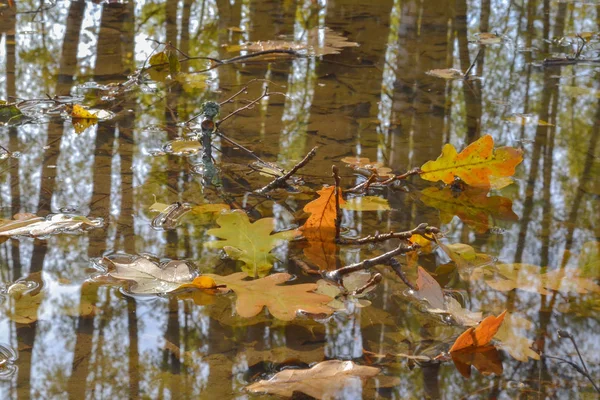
(479, 336)
(283, 301)
(326, 380)
(485, 359)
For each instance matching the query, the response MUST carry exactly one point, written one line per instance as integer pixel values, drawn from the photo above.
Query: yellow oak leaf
(475, 165)
(248, 242)
(81, 113)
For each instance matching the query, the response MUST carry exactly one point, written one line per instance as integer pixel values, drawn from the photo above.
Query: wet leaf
(170, 215)
(371, 167)
(316, 42)
(248, 242)
(78, 112)
(282, 301)
(488, 38)
(183, 147)
(343, 296)
(465, 256)
(472, 206)
(485, 359)
(430, 291)
(527, 119)
(476, 165)
(148, 277)
(49, 225)
(366, 203)
(426, 246)
(479, 336)
(512, 340)
(159, 66)
(325, 380)
(9, 112)
(449, 73)
(319, 228)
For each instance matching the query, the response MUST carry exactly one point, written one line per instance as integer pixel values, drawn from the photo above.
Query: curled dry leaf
(148, 277)
(283, 301)
(32, 225)
(326, 380)
(472, 205)
(479, 164)
(248, 242)
(319, 228)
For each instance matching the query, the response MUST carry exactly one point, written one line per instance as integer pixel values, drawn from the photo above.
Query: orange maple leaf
(480, 335)
(477, 165)
(319, 228)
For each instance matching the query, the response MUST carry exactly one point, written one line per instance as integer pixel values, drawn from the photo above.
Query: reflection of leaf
(366, 203)
(485, 359)
(325, 380)
(362, 163)
(464, 256)
(316, 42)
(449, 73)
(81, 124)
(568, 280)
(248, 242)
(479, 336)
(52, 224)
(342, 296)
(471, 205)
(511, 340)
(319, 228)
(147, 277)
(283, 301)
(476, 165)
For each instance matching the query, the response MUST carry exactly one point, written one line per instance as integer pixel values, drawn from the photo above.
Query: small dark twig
(414, 171)
(564, 334)
(397, 267)
(375, 279)
(305, 266)
(247, 106)
(260, 53)
(337, 275)
(577, 368)
(336, 192)
(281, 180)
(479, 53)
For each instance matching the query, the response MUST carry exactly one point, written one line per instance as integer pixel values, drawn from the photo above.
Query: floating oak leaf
(477, 165)
(448, 73)
(369, 167)
(511, 338)
(319, 228)
(32, 225)
(480, 335)
(472, 206)
(79, 112)
(325, 380)
(367, 203)
(248, 242)
(464, 256)
(283, 301)
(148, 277)
(429, 290)
(316, 42)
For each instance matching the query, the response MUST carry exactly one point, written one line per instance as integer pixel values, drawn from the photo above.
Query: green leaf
(248, 242)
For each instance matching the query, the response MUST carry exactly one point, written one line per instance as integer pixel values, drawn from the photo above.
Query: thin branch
(479, 53)
(336, 192)
(423, 229)
(375, 279)
(247, 106)
(281, 180)
(397, 267)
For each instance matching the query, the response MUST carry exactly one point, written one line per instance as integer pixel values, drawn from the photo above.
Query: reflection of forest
(373, 101)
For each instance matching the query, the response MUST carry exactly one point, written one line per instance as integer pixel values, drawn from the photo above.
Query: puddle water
(353, 79)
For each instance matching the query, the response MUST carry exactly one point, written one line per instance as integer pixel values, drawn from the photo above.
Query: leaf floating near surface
(479, 164)
(479, 336)
(330, 379)
(248, 242)
(366, 203)
(32, 225)
(527, 119)
(316, 42)
(282, 301)
(346, 294)
(148, 277)
(364, 164)
(488, 38)
(448, 73)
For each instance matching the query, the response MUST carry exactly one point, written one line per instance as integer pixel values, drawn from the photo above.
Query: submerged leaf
(449, 73)
(248, 242)
(325, 380)
(479, 336)
(476, 165)
(283, 301)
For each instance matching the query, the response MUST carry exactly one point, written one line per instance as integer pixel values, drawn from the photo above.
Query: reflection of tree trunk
(171, 21)
(184, 39)
(171, 360)
(109, 62)
(68, 56)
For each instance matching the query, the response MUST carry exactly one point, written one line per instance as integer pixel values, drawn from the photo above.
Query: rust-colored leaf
(480, 335)
(477, 165)
(319, 228)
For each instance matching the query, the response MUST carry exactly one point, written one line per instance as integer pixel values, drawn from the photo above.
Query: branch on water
(281, 180)
(423, 229)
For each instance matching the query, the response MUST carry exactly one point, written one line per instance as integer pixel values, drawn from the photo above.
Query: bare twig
(564, 334)
(479, 53)
(247, 106)
(397, 267)
(375, 279)
(336, 192)
(423, 229)
(281, 180)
